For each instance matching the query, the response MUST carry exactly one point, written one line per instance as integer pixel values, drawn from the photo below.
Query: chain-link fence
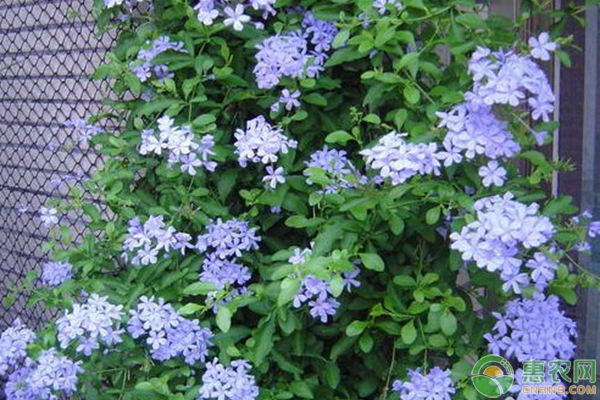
(48, 49)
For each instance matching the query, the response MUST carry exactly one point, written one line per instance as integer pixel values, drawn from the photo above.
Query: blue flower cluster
(55, 273)
(500, 78)
(84, 130)
(228, 383)
(149, 239)
(297, 54)
(222, 245)
(90, 324)
(493, 240)
(262, 143)
(209, 10)
(317, 292)
(13, 345)
(180, 145)
(168, 333)
(337, 166)
(533, 329)
(436, 385)
(50, 377)
(473, 130)
(143, 67)
(399, 161)
(505, 77)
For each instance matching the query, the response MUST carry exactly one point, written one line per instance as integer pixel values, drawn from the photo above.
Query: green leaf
(203, 120)
(372, 261)
(407, 60)
(263, 341)
(199, 288)
(433, 215)
(385, 36)
(341, 137)
(411, 94)
(356, 328)
(372, 119)
(340, 39)
(405, 281)
(415, 4)
(190, 308)
(396, 224)
(343, 55)
(448, 323)
(409, 332)
(471, 20)
(301, 389)
(316, 99)
(332, 375)
(366, 343)
(289, 289)
(224, 319)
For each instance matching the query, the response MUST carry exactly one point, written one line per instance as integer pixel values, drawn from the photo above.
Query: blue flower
(50, 377)
(13, 345)
(533, 329)
(261, 143)
(399, 161)
(228, 383)
(90, 324)
(167, 333)
(55, 273)
(436, 385)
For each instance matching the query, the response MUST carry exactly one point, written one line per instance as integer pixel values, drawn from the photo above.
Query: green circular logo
(492, 376)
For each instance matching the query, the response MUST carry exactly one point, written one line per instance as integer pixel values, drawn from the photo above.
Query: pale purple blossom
(148, 239)
(533, 329)
(492, 174)
(48, 216)
(143, 66)
(274, 177)
(542, 46)
(228, 383)
(13, 345)
(503, 228)
(90, 324)
(236, 17)
(296, 54)
(167, 333)
(261, 143)
(594, 229)
(290, 99)
(392, 157)
(55, 273)
(436, 385)
(51, 376)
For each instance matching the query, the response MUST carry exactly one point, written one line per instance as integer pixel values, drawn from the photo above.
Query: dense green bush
(255, 183)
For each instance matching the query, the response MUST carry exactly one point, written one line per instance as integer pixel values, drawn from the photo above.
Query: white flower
(274, 177)
(236, 17)
(492, 174)
(113, 3)
(48, 216)
(541, 47)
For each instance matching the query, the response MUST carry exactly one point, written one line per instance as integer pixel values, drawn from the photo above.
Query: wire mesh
(48, 49)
